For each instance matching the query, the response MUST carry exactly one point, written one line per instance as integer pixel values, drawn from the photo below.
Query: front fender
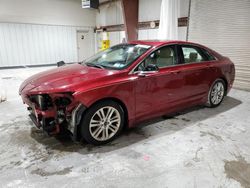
(122, 91)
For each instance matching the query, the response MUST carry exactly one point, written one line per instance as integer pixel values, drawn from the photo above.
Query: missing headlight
(62, 101)
(42, 101)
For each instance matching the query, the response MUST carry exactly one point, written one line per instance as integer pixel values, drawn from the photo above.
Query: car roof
(160, 42)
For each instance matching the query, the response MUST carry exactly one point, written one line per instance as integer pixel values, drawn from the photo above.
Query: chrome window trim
(145, 72)
(136, 72)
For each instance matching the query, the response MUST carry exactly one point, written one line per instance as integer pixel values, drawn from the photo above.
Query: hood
(64, 79)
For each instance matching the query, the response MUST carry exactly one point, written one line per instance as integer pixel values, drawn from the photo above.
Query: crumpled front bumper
(48, 119)
(44, 119)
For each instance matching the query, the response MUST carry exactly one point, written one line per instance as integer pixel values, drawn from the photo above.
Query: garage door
(224, 25)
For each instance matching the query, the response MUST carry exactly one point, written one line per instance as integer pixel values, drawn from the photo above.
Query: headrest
(193, 56)
(165, 52)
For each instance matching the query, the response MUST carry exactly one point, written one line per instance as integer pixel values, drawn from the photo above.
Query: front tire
(216, 93)
(102, 122)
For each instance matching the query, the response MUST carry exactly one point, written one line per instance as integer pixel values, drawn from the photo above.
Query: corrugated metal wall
(116, 37)
(110, 14)
(224, 25)
(31, 44)
(148, 34)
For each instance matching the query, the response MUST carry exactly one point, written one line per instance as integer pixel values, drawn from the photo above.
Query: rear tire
(102, 122)
(216, 93)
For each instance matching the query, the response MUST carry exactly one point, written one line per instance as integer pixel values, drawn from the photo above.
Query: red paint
(169, 90)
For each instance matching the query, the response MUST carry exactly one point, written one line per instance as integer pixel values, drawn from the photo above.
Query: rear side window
(192, 55)
(210, 57)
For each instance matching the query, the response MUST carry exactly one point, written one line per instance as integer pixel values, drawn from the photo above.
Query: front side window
(192, 55)
(163, 57)
(117, 57)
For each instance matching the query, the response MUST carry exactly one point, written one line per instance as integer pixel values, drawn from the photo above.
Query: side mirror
(152, 67)
(60, 63)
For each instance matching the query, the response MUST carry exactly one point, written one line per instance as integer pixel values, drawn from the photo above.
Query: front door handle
(142, 75)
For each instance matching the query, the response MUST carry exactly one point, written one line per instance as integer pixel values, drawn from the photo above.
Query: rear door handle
(209, 67)
(175, 72)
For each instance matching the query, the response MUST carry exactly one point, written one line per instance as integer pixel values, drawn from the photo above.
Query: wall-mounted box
(90, 4)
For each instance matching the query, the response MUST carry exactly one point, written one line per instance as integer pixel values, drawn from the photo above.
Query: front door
(83, 48)
(158, 92)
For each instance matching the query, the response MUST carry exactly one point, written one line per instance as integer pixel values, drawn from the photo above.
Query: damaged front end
(55, 113)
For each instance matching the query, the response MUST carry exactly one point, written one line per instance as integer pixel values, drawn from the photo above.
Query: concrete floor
(201, 147)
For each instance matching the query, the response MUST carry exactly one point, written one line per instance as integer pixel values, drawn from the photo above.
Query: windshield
(117, 57)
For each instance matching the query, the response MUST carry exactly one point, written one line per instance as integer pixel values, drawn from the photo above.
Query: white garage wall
(35, 32)
(52, 12)
(111, 14)
(148, 34)
(182, 33)
(149, 10)
(116, 37)
(30, 44)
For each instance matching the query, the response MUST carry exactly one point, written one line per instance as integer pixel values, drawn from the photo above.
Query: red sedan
(124, 85)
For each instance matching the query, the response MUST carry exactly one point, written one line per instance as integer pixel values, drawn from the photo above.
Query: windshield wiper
(95, 65)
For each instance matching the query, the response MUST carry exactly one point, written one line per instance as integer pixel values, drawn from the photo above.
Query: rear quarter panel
(228, 71)
(224, 67)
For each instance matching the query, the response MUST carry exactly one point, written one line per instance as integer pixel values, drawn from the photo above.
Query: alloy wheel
(217, 93)
(105, 123)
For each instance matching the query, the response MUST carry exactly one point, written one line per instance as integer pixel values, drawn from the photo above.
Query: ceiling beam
(182, 22)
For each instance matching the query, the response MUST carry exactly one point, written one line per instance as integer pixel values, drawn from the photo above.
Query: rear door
(197, 72)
